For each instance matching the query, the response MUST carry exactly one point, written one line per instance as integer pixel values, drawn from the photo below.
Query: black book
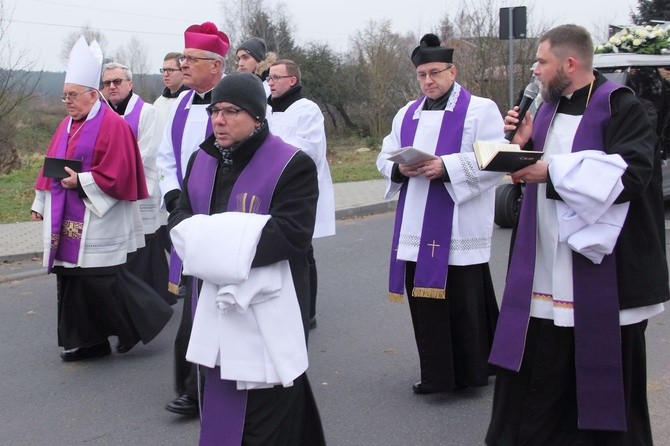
(55, 167)
(499, 157)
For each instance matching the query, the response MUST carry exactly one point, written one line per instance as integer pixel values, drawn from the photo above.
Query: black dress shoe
(79, 353)
(124, 348)
(312, 322)
(422, 388)
(183, 405)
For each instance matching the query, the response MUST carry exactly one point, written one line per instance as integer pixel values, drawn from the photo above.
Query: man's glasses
(193, 59)
(168, 70)
(228, 113)
(276, 77)
(73, 95)
(116, 82)
(433, 74)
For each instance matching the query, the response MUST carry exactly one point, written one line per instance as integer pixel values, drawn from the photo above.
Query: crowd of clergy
(213, 194)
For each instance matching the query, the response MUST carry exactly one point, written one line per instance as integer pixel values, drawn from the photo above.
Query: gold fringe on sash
(431, 293)
(173, 288)
(396, 298)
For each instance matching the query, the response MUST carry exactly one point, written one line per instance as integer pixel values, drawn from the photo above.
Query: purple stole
(178, 125)
(432, 264)
(67, 209)
(598, 362)
(133, 118)
(224, 406)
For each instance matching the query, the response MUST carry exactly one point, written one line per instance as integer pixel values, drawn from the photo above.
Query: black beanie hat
(429, 50)
(255, 47)
(244, 90)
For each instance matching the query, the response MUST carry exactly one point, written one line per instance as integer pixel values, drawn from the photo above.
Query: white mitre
(85, 64)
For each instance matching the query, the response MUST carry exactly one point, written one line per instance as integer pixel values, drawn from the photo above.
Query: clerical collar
(168, 94)
(439, 103)
(574, 104)
(205, 98)
(284, 101)
(120, 108)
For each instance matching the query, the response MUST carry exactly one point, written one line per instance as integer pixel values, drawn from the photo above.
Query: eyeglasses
(228, 113)
(73, 95)
(168, 70)
(275, 77)
(432, 74)
(116, 82)
(193, 59)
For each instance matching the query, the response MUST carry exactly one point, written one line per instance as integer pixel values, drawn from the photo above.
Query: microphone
(529, 95)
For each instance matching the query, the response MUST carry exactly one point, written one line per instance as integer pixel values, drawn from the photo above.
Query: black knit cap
(429, 50)
(255, 47)
(244, 90)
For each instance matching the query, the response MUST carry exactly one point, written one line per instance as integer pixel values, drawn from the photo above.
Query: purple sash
(432, 263)
(224, 406)
(598, 362)
(67, 209)
(133, 118)
(178, 125)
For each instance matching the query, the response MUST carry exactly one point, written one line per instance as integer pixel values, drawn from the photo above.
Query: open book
(409, 155)
(500, 157)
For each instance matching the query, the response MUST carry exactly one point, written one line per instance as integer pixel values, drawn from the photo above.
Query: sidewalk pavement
(22, 241)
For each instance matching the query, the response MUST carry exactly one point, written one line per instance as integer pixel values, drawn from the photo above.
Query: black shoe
(120, 348)
(312, 322)
(79, 353)
(422, 388)
(183, 405)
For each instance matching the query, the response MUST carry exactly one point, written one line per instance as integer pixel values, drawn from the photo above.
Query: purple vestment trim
(178, 125)
(430, 278)
(598, 362)
(177, 133)
(67, 209)
(224, 406)
(133, 118)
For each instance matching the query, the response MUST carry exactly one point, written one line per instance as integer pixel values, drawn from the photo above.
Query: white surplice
(472, 190)
(301, 125)
(247, 320)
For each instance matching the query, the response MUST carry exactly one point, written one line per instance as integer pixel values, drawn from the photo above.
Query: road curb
(340, 214)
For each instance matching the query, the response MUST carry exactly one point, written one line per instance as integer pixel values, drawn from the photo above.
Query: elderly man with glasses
(89, 211)
(188, 125)
(148, 263)
(444, 222)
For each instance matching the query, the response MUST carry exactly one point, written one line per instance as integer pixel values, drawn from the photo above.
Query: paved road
(363, 362)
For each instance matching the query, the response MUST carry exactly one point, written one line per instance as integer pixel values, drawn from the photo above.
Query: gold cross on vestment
(72, 229)
(433, 246)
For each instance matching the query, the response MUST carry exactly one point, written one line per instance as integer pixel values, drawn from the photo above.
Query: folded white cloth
(589, 182)
(261, 285)
(247, 320)
(202, 241)
(592, 241)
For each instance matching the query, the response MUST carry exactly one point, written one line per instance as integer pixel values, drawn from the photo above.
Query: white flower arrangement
(638, 39)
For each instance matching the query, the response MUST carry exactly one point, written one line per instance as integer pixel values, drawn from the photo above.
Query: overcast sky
(40, 26)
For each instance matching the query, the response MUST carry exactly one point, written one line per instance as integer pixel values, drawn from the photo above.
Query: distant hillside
(50, 86)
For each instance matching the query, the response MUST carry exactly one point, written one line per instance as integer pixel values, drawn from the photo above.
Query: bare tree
(89, 33)
(135, 56)
(16, 90)
(255, 18)
(482, 58)
(387, 76)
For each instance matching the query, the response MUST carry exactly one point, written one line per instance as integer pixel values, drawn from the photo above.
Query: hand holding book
(498, 157)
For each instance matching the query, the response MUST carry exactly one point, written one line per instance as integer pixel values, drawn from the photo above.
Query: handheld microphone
(529, 95)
